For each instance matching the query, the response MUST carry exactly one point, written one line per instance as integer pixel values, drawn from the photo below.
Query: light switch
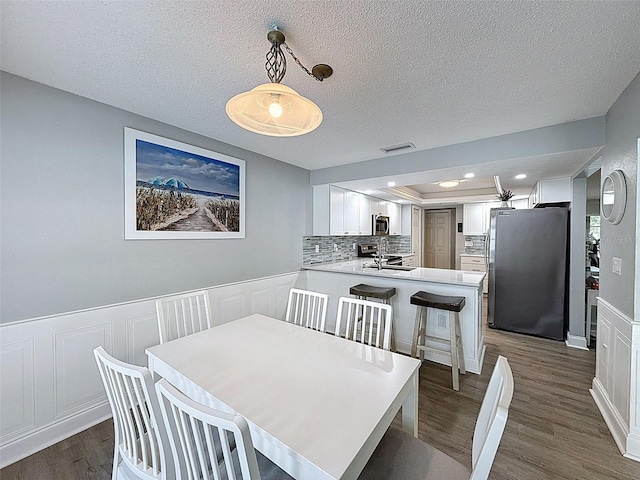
(617, 265)
(335, 247)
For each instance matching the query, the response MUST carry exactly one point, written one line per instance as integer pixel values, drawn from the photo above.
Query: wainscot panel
(51, 388)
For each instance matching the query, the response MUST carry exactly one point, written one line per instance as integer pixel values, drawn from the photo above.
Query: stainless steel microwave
(380, 225)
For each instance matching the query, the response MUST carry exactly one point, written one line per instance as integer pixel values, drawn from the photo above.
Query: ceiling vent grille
(398, 148)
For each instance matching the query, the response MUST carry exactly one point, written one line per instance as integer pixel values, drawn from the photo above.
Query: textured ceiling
(432, 73)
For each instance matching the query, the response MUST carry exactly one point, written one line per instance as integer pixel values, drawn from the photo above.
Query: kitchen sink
(392, 267)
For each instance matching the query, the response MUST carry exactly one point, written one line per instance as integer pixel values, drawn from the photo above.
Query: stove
(370, 250)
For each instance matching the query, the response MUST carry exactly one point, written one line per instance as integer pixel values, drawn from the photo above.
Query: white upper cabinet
(366, 223)
(394, 210)
(337, 211)
(474, 219)
(351, 213)
(554, 190)
(337, 204)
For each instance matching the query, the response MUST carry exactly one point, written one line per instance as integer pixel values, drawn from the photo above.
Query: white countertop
(472, 255)
(435, 275)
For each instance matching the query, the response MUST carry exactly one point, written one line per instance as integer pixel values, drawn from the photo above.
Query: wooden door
(437, 239)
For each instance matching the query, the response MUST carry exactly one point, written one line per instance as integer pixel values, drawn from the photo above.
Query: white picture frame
(178, 191)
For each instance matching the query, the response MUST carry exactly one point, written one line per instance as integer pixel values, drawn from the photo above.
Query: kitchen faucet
(383, 248)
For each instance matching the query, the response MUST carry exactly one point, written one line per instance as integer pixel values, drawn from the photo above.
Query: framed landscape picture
(179, 191)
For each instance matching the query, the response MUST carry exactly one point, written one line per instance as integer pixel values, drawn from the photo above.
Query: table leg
(410, 408)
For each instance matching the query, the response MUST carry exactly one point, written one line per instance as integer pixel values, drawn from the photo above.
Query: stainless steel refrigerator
(527, 259)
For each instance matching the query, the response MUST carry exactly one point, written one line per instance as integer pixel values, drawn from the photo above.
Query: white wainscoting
(50, 384)
(616, 386)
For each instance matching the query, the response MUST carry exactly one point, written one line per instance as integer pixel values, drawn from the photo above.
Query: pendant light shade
(274, 109)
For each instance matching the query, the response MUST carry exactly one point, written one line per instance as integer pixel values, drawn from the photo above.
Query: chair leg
(454, 352)
(422, 332)
(459, 344)
(416, 331)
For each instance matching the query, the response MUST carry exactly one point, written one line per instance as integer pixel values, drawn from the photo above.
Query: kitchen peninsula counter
(336, 278)
(435, 275)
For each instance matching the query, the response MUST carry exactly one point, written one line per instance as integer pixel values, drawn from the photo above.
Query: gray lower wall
(621, 152)
(62, 244)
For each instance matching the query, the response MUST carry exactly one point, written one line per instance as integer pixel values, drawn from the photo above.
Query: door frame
(452, 231)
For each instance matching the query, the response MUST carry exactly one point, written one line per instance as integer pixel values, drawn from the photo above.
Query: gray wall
(621, 152)
(62, 241)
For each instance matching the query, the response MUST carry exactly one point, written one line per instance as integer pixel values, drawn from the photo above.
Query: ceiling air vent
(398, 148)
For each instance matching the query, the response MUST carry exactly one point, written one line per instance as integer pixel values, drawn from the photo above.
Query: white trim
(575, 341)
(612, 418)
(131, 302)
(51, 434)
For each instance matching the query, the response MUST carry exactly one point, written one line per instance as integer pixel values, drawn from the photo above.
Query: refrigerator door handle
(487, 238)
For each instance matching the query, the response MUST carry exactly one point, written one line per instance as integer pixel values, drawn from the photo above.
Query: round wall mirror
(613, 197)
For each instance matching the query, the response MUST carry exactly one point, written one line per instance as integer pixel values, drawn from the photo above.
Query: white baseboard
(52, 434)
(574, 341)
(633, 447)
(612, 418)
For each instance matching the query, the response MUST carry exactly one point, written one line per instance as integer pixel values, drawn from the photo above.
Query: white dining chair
(307, 308)
(401, 456)
(210, 444)
(364, 321)
(141, 444)
(183, 314)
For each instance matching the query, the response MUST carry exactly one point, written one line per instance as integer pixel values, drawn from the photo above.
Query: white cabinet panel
(351, 213)
(336, 214)
(366, 225)
(394, 210)
(474, 219)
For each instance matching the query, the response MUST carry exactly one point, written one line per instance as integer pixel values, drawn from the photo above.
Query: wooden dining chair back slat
(207, 443)
(140, 436)
(183, 314)
(364, 321)
(307, 308)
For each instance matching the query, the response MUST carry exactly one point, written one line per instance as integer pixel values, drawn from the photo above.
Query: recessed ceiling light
(469, 175)
(520, 176)
(449, 183)
(391, 184)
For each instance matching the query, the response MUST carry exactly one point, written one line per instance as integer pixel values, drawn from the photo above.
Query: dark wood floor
(554, 430)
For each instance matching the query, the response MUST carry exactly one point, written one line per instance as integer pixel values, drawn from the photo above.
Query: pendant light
(272, 108)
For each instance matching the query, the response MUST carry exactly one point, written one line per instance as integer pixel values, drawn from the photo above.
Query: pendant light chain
(300, 63)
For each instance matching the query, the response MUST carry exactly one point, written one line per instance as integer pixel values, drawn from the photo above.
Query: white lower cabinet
(409, 261)
(475, 263)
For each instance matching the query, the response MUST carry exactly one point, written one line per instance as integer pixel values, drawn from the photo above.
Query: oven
(380, 225)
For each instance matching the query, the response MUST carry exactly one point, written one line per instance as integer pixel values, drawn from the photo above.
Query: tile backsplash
(474, 244)
(345, 250)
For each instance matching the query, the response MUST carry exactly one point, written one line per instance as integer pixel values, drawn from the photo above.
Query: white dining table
(317, 405)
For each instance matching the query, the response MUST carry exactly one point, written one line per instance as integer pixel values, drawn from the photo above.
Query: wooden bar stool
(453, 305)
(365, 292)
